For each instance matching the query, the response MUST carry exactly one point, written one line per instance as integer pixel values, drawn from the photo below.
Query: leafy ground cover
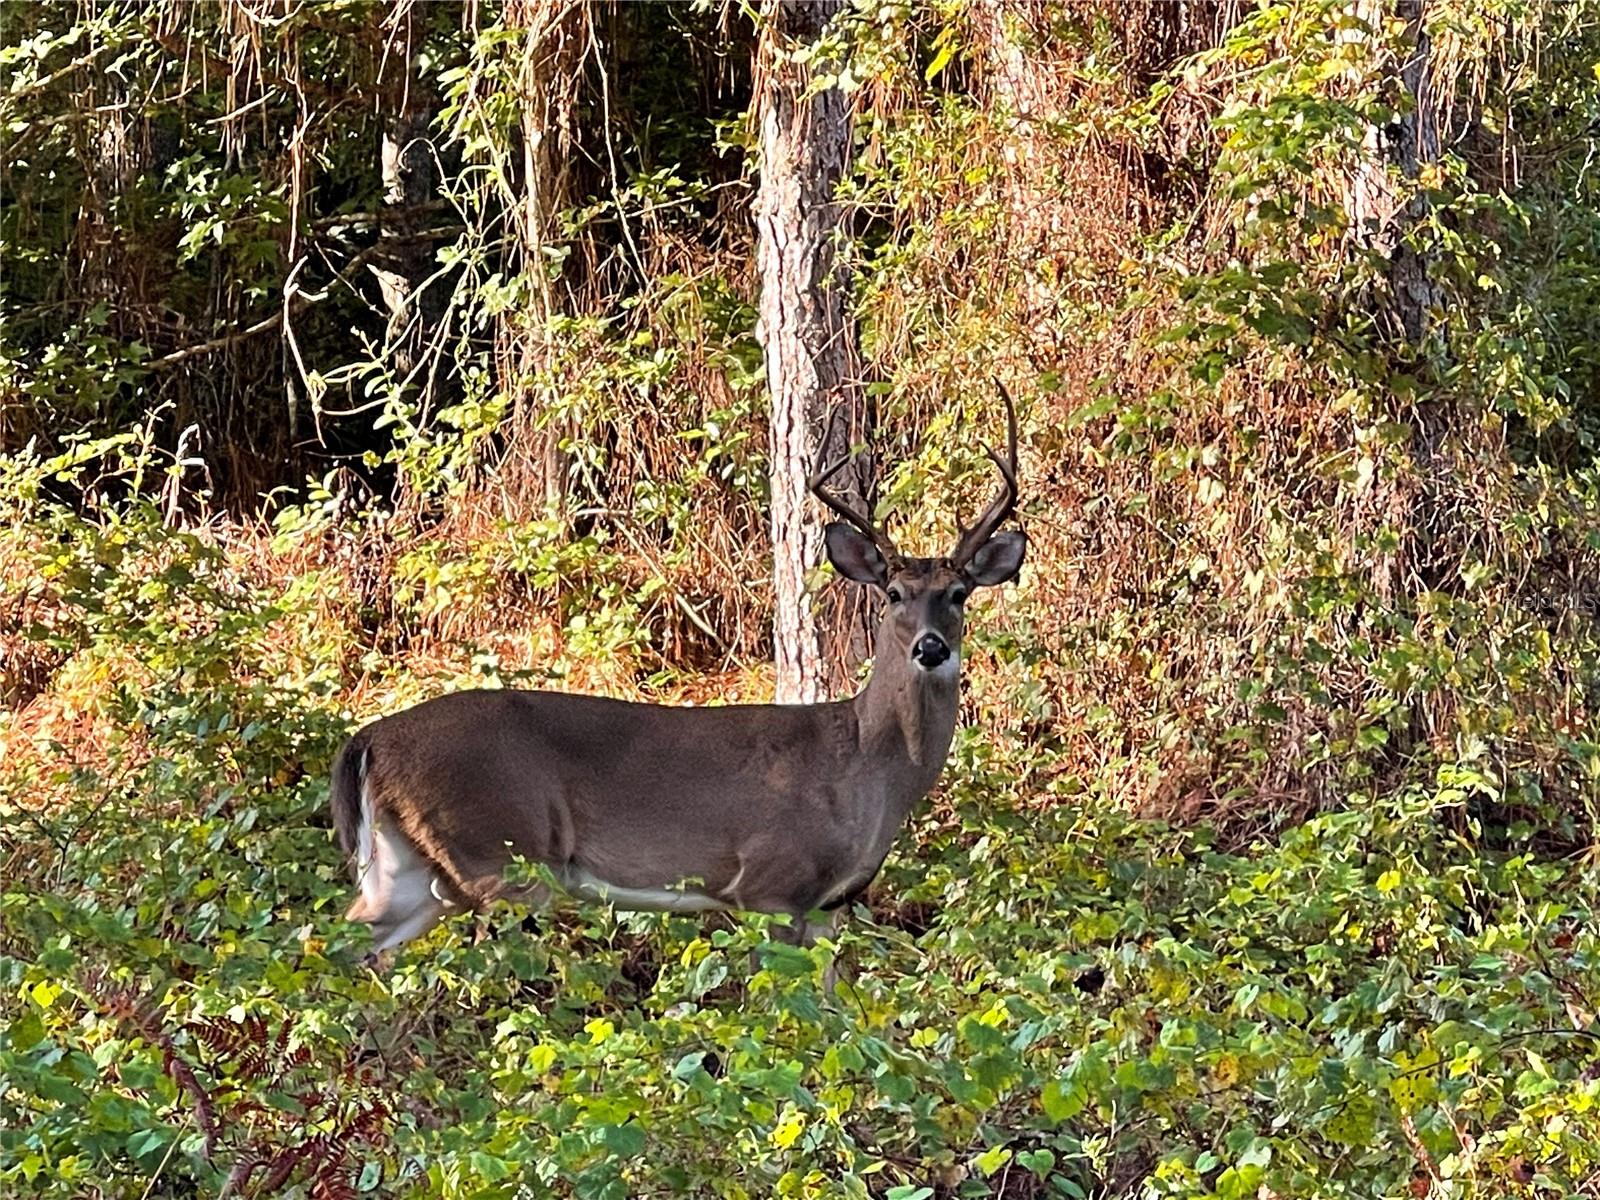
(1047, 996)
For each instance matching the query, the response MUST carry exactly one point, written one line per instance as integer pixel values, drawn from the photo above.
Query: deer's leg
(830, 927)
(805, 932)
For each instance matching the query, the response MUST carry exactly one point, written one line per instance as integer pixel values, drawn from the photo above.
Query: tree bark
(554, 36)
(1381, 213)
(410, 177)
(1021, 91)
(808, 339)
(1384, 205)
(1416, 145)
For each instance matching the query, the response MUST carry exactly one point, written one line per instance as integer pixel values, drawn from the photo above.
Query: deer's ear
(999, 559)
(854, 556)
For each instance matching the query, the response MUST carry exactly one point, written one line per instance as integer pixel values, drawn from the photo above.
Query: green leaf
(1061, 1101)
(26, 1031)
(1040, 1162)
(625, 1141)
(149, 1141)
(488, 1167)
(688, 1066)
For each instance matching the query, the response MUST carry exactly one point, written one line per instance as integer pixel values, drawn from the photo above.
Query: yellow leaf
(946, 42)
(788, 1130)
(1413, 1086)
(1226, 1070)
(992, 1159)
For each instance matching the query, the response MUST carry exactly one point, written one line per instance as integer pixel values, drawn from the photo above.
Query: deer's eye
(895, 595)
(958, 595)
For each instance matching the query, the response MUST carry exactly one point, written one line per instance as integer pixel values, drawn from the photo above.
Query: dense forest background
(354, 352)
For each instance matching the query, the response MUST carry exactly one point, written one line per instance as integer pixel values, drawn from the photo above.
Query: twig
(161, 1168)
(39, 85)
(295, 302)
(389, 216)
(217, 343)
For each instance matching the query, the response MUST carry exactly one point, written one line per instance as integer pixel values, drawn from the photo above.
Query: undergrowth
(1044, 996)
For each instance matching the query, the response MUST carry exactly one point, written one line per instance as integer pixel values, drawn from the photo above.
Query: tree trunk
(410, 175)
(554, 38)
(1392, 159)
(808, 339)
(1416, 145)
(1021, 91)
(1384, 205)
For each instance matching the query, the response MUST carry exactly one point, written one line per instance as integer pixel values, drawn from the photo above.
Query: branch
(296, 302)
(396, 215)
(218, 343)
(39, 85)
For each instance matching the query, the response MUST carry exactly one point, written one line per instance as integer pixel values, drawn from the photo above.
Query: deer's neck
(906, 717)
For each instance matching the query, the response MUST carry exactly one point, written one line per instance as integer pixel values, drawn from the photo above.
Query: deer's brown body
(768, 808)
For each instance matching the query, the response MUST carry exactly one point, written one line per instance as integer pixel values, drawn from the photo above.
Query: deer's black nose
(930, 651)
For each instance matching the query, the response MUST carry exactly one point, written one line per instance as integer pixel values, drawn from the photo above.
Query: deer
(786, 809)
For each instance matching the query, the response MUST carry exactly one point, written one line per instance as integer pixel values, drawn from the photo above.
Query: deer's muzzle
(930, 651)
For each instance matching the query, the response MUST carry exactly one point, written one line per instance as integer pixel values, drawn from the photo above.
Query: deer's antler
(820, 475)
(1005, 500)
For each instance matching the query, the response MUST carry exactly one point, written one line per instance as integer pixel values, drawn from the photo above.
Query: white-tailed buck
(762, 807)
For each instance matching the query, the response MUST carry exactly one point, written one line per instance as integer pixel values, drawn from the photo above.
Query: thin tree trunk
(1393, 157)
(410, 177)
(1020, 89)
(1384, 206)
(808, 339)
(1416, 145)
(554, 38)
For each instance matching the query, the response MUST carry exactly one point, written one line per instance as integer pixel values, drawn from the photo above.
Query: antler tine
(1004, 502)
(820, 476)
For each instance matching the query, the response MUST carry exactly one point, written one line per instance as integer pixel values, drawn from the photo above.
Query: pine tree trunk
(1380, 211)
(410, 177)
(808, 339)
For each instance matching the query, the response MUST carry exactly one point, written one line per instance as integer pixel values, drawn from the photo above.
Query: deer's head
(924, 618)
